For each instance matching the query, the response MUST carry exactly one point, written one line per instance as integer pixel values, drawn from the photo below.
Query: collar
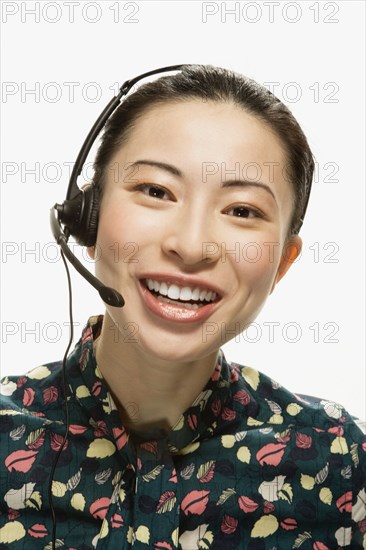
(203, 419)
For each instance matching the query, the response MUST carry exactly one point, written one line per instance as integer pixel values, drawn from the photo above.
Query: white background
(325, 286)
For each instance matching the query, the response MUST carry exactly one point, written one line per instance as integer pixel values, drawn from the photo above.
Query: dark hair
(209, 83)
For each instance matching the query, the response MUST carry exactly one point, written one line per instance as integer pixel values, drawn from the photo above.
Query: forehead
(205, 131)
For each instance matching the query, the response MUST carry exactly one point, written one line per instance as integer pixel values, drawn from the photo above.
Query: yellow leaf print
(82, 391)
(12, 531)
(293, 409)
(104, 530)
(228, 441)
(339, 446)
(326, 495)
(129, 535)
(253, 422)
(251, 376)
(189, 449)
(276, 419)
(39, 373)
(34, 501)
(243, 454)
(100, 448)
(286, 493)
(265, 526)
(78, 501)
(58, 488)
(143, 534)
(175, 536)
(307, 482)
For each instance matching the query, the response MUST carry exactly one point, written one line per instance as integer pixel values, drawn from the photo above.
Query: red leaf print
(362, 526)
(121, 437)
(77, 429)
(288, 524)
(96, 388)
(216, 373)
(337, 430)
(13, 514)
(192, 421)
(162, 546)
(320, 546)
(37, 443)
(50, 395)
(195, 502)
(21, 381)
(174, 478)
(271, 454)
(242, 397)
(344, 503)
(303, 441)
(166, 501)
(234, 376)
(88, 335)
(208, 475)
(268, 507)
(100, 428)
(116, 521)
(56, 442)
(247, 504)
(150, 446)
(20, 461)
(228, 414)
(38, 531)
(28, 396)
(99, 507)
(228, 525)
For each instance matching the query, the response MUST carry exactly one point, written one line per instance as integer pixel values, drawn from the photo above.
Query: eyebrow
(226, 184)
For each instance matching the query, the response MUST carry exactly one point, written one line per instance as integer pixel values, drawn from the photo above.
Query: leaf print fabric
(249, 465)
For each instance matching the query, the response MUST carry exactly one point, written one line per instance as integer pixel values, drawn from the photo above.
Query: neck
(148, 391)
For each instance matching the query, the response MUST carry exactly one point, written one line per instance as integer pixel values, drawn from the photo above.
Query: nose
(190, 237)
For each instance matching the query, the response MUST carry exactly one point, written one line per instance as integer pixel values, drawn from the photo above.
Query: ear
(91, 251)
(291, 251)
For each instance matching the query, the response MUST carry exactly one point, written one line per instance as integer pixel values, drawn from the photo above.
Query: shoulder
(32, 391)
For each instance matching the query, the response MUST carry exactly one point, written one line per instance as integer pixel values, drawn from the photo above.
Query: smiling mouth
(182, 296)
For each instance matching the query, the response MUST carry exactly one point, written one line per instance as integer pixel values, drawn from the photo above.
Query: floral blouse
(249, 465)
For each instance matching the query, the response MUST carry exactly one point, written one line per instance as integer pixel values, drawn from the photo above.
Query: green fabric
(249, 465)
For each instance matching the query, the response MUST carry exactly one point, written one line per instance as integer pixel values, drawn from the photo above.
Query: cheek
(257, 262)
(117, 239)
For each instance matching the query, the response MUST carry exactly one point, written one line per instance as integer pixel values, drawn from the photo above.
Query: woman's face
(192, 227)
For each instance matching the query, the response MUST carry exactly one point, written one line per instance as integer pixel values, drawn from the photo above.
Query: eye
(154, 191)
(246, 212)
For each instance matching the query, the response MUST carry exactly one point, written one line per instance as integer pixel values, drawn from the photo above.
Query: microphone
(109, 295)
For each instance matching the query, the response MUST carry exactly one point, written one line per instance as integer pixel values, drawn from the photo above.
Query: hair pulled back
(209, 83)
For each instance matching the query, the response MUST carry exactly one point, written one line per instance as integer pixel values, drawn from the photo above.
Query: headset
(79, 211)
(78, 215)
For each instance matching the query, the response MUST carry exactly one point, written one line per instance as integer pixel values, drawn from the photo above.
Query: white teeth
(195, 294)
(173, 292)
(150, 284)
(185, 294)
(163, 289)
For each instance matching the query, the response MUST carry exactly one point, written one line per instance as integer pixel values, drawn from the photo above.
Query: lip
(172, 312)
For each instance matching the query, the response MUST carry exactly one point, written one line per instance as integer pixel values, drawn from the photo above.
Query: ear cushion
(87, 234)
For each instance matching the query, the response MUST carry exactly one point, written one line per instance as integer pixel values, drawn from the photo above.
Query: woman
(169, 445)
